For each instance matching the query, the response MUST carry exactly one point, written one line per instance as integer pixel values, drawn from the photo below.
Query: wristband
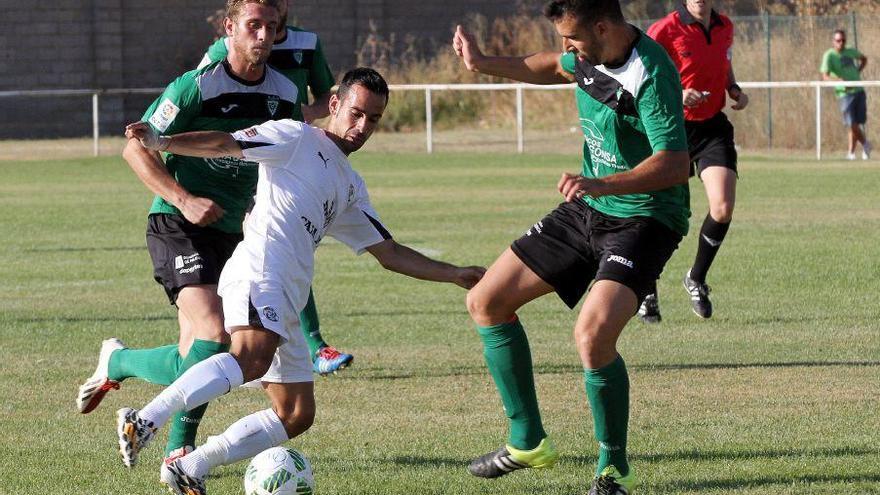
(734, 86)
(163, 142)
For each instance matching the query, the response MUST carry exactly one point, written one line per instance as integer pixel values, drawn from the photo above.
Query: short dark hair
(585, 11)
(366, 77)
(839, 31)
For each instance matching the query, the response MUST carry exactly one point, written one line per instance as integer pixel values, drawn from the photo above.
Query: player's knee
(296, 418)
(254, 363)
(722, 212)
(481, 307)
(591, 337)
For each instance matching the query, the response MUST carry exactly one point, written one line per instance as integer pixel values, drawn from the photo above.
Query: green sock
(311, 326)
(507, 353)
(159, 365)
(608, 392)
(185, 424)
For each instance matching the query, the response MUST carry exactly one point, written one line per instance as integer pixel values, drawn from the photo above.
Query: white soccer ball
(279, 471)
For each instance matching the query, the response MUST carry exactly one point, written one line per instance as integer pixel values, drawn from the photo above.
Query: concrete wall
(71, 44)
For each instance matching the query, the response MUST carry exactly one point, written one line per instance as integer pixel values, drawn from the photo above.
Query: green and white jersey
(213, 99)
(299, 57)
(845, 65)
(627, 114)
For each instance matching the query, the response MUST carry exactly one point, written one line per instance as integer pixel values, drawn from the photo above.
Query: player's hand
(468, 276)
(741, 99)
(576, 186)
(201, 211)
(148, 137)
(465, 46)
(691, 97)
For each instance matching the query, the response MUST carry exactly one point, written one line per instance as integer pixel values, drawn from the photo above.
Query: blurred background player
(699, 41)
(846, 64)
(195, 220)
(298, 55)
(622, 218)
(305, 180)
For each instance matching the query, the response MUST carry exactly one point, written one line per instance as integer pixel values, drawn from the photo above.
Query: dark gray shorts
(854, 107)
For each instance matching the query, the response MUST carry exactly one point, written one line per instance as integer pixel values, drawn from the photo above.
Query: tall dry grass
(796, 47)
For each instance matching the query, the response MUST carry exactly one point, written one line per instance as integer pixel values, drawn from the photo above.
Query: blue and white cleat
(328, 360)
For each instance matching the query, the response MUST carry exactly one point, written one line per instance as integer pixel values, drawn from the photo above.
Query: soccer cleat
(649, 311)
(610, 482)
(699, 296)
(329, 360)
(850, 156)
(164, 473)
(134, 434)
(96, 387)
(181, 483)
(508, 459)
(866, 151)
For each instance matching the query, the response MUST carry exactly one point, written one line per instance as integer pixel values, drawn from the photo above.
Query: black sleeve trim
(385, 234)
(251, 144)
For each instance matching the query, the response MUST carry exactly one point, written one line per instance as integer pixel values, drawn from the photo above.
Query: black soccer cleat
(649, 311)
(502, 461)
(699, 296)
(610, 482)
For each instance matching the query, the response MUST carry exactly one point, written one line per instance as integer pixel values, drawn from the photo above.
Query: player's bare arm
(692, 97)
(407, 261)
(150, 169)
(863, 61)
(659, 171)
(736, 93)
(537, 68)
(202, 144)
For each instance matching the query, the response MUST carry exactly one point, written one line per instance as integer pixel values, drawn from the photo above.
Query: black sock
(707, 249)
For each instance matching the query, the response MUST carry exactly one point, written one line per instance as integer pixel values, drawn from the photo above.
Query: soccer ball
(279, 471)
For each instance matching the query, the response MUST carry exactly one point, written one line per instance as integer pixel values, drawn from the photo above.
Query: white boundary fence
(430, 88)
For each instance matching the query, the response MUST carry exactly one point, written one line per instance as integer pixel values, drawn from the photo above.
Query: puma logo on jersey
(228, 108)
(321, 156)
(589, 81)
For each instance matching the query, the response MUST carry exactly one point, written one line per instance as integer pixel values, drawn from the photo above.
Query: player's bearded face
(355, 117)
(578, 39)
(253, 32)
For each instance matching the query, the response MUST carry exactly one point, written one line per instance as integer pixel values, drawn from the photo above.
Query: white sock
(246, 438)
(206, 380)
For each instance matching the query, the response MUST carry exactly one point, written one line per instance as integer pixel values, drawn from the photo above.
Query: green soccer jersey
(628, 113)
(299, 57)
(844, 65)
(213, 99)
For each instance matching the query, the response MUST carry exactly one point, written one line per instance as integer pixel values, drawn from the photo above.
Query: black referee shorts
(185, 254)
(575, 244)
(711, 143)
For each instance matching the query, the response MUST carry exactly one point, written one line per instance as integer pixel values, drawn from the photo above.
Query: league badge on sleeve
(164, 115)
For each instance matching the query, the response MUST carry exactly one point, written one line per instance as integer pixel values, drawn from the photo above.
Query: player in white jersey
(306, 189)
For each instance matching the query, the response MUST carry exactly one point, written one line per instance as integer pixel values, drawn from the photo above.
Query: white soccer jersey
(306, 190)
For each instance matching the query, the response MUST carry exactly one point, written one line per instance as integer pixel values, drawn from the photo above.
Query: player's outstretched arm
(202, 144)
(659, 171)
(402, 259)
(537, 68)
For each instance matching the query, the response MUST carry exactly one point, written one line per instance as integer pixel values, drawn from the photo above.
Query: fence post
(853, 29)
(818, 122)
(429, 127)
(519, 119)
(769, 79)
(95, 124)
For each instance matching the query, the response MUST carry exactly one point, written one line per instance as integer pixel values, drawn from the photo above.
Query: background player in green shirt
(298, 55)
(195, 219)
(622, 218)
(846, 64)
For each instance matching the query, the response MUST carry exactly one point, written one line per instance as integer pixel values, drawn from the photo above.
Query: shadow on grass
(551, 369)
(731, 484)
(84, 249)
(92, 319)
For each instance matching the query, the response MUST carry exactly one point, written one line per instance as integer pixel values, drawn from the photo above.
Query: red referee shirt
(701, 56)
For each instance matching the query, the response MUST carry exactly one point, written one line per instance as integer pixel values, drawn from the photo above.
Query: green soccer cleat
(610, 482)
(508, 459)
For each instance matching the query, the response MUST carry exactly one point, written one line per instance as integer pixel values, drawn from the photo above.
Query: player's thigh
(607, 308)
(507, 285)
(187, 335)
(720, 185)
(202, 308)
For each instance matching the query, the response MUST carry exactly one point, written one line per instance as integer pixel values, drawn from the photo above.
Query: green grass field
(778, 393)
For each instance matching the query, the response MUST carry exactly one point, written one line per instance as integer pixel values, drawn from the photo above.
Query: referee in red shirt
(699, 41)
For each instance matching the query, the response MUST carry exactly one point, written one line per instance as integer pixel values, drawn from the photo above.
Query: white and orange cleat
(96, 387)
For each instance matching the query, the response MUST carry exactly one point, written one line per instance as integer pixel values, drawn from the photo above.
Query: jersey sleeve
(825, 68)
(358, 226)
(216, 52)
(568, 60)
(658, 34)
(662, 113)
(172, 112)
(320, 77)
(271, 143)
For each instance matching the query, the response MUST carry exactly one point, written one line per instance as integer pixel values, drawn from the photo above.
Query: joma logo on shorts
(620, 259)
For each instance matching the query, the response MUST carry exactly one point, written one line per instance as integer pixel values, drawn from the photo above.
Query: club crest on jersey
(350, 193)
(272, 104)
(298, 56)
